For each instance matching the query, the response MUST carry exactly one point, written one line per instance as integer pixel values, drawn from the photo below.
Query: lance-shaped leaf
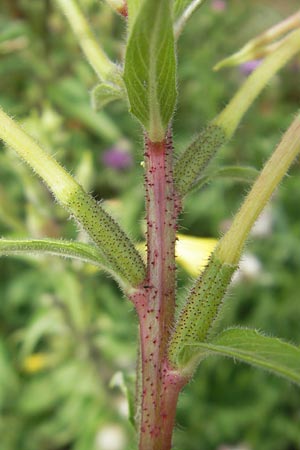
(150, 68)
(107, 235)
(133, 7)
(254, 348)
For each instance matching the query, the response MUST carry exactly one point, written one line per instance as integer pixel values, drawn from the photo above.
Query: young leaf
(254, 348)
(150, 68)
(104, 93)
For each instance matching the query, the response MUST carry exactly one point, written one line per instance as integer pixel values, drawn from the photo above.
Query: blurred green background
(67, 337)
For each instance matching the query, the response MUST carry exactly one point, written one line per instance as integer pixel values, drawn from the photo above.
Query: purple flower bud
(117, 158)
(248, 67)
(219, 5)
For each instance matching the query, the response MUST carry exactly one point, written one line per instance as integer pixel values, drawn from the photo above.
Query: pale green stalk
(262, 44)
(231, 245)
(202, 307)
(231, 115)
(195, 158)
(102, 65)
(103, 230)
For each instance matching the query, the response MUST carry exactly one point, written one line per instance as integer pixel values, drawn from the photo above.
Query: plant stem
(97, 58)
(155, 302)
(231, 245)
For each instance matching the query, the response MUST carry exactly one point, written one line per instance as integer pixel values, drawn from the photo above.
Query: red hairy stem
(155, 302)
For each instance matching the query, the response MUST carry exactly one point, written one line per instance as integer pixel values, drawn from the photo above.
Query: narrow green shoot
(201, 310)
(102, 65)
(102, 229)
(262, 44)
(231, 245)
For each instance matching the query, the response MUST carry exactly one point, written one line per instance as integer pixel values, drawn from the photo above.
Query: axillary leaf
(150, 68)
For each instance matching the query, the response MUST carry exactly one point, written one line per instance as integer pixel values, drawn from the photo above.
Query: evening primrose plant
(173, 342)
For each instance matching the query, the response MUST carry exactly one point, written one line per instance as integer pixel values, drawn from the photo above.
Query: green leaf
(133, 7)
(180, 6)
(67, 249)
(150, 68)
(239, 174)
(104, 93)
(254, 348)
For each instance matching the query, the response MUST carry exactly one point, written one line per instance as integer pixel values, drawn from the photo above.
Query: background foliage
(67, 337)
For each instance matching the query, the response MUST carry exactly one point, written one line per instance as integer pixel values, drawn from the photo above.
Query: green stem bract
(199, 313)
(195, 158)
(112, 241)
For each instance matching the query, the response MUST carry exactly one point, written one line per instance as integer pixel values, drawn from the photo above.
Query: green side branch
(231, 245)
(200, 312)
(261, 45)
(192, 162)
(204, 302)
(111, 240)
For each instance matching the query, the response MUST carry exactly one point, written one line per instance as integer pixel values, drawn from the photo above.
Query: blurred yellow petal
(35, 362)
(193, 252)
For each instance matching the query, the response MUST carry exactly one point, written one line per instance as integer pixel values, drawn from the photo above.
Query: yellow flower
(193, 252)
(35, 362)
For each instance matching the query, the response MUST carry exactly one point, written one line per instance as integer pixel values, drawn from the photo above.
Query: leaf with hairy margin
(254, 348)
(150, 68)
(67, 249)
(133, 7)
(240, 174)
